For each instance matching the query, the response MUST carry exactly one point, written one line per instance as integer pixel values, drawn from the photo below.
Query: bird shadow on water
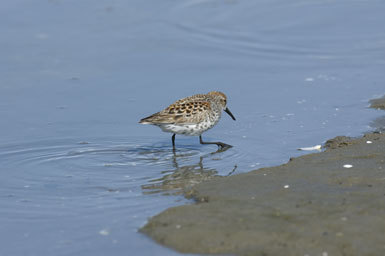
(154, 168)
(183, 176)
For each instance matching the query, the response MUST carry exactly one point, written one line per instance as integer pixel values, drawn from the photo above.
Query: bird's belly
(187, 129)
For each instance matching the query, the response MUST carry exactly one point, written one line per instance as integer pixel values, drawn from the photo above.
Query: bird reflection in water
(175, 181)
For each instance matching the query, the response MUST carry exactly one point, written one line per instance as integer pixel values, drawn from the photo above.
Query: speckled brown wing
(191, 109)
(182, 111)
(187, 111)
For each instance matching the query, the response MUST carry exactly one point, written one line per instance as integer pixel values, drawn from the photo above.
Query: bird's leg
(173, 141)
(220, 145)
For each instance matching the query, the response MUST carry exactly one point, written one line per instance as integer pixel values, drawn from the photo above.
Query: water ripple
(68, 164)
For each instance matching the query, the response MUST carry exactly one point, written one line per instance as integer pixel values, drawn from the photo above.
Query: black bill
(230, 114)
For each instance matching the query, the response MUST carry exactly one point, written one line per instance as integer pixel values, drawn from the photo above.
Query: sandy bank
(328, 203)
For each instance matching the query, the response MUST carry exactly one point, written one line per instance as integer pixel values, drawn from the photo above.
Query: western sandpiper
(192, 116)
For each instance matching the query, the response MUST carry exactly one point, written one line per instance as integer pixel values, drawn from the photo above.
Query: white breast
(188, 129)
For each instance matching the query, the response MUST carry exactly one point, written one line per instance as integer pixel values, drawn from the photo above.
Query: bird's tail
(148, 120)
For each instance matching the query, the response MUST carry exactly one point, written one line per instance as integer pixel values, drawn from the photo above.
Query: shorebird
(192, 116)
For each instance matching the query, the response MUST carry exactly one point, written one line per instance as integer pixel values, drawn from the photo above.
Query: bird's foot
(223, 146)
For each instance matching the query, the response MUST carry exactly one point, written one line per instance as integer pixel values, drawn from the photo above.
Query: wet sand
(328, 203)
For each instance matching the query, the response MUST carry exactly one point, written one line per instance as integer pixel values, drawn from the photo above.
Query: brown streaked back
(193, 109)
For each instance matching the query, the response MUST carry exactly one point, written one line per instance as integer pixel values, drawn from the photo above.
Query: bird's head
(221, 98)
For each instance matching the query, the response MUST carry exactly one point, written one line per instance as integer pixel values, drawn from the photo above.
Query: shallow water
(79, 175)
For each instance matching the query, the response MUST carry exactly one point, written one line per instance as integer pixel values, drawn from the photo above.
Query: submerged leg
(173, 141)
(220, 145)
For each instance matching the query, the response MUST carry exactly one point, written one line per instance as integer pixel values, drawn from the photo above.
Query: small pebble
(348, 166)
(324, 254)
(178, 226)
(309, 79)
(286, 186)
(369, 142)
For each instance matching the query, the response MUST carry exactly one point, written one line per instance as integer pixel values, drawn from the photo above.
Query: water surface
(79, 175)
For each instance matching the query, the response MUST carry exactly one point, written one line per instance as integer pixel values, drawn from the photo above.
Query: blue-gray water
(79, 175)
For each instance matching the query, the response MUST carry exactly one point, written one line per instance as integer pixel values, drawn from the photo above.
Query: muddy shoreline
(328, 203)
